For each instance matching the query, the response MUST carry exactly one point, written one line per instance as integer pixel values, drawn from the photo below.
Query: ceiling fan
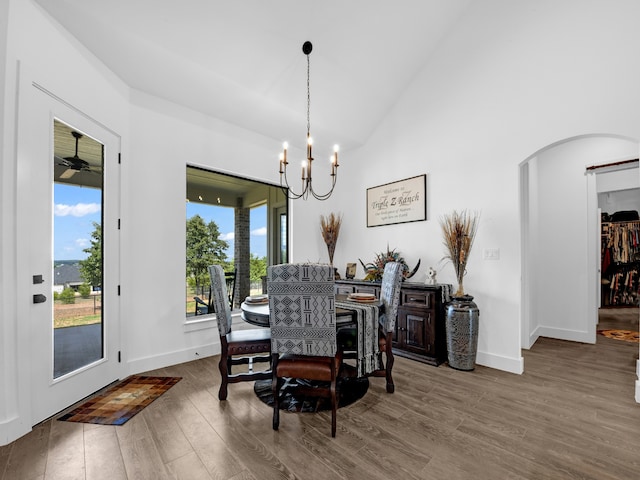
(74, 164)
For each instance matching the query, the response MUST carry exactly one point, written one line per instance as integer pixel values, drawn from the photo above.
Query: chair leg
(275, 388)
(389, 352)
(224, 368)
(276, 384)
(334, 407)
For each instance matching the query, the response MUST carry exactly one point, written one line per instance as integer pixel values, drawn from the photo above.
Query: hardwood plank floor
(571, 415)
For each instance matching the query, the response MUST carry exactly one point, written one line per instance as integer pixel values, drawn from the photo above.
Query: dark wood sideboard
(420, 327)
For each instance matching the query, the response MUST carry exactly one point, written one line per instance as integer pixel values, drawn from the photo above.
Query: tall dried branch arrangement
(330, 226)
(459, 230)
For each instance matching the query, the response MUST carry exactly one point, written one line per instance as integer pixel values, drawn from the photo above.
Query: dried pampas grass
(330, 226)
(459, 230)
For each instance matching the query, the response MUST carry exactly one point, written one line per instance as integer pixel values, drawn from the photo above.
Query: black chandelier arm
(307, 187)
(326, 195)
(286, 189)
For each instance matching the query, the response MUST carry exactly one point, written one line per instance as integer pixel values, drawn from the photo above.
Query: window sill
(205, 322)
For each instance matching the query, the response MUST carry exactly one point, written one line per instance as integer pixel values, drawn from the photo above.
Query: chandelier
(307, 185)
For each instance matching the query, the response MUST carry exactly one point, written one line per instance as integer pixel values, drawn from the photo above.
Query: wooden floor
(571, 415)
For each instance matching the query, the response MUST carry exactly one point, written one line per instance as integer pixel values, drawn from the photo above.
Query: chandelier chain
(308, 97)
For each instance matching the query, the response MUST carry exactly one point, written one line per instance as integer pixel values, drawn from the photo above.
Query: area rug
(351, 389)
(626, 335)
(120, 403)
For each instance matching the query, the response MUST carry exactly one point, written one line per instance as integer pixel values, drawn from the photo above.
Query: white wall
(8, 356)
(500, 88)
(164, 139)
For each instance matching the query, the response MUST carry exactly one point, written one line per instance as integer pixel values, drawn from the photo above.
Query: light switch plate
(491, 254)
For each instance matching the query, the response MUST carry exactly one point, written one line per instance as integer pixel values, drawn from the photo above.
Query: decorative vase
(462, 321)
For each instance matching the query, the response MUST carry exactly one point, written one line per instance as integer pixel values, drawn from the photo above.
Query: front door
(68, 184)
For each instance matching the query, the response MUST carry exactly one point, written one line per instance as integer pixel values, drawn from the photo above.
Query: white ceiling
(242, 61)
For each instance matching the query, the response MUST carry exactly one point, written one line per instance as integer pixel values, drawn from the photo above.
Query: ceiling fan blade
(68, 173)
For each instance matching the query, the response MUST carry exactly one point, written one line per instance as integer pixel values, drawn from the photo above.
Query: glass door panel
(78, 326)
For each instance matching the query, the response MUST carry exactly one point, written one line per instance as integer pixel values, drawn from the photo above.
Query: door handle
(39, 298)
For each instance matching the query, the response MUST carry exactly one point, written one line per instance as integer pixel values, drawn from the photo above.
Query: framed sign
(397, 202)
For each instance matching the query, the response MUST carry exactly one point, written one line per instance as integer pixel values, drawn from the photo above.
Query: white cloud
(227, 237)
(82, 242)
(77, 210)
(259, 232)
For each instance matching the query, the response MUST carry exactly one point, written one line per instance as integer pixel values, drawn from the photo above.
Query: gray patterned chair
(249, 344)
(302, 318)
(390, 297)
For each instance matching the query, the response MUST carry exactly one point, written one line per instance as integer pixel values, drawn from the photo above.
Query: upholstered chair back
(220, 299)
(390, 294)
(302, 309)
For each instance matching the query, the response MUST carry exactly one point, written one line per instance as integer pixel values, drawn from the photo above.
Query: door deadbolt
(39, 298)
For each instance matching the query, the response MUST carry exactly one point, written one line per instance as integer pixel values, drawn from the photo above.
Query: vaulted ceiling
(242, 61)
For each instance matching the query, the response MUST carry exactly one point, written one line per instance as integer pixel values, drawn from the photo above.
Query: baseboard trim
(12, 429)
(563, 334)
(139, 365)
(499, 362)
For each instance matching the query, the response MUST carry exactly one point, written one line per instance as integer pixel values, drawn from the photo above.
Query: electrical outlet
(491, 254)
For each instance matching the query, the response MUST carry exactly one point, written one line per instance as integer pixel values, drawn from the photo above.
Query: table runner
(367, 337)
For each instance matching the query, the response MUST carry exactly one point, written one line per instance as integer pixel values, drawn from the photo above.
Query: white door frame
(47, 396)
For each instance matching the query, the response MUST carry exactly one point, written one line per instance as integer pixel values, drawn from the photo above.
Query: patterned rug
(118, 404)
(626, 335)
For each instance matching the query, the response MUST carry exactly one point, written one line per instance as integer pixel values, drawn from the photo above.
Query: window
(234, 222)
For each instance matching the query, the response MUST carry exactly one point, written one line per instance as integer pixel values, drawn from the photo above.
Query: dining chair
(302, 320)
(204, 308)
(230, 279)
(390, 297)
(247, 343)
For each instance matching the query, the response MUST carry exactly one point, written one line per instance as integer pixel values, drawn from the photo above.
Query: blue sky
(224, 218)
(76, 208)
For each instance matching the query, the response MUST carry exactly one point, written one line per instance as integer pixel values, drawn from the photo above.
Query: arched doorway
(559, 227)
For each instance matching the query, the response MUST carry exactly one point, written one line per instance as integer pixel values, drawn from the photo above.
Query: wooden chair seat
(310, 368)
